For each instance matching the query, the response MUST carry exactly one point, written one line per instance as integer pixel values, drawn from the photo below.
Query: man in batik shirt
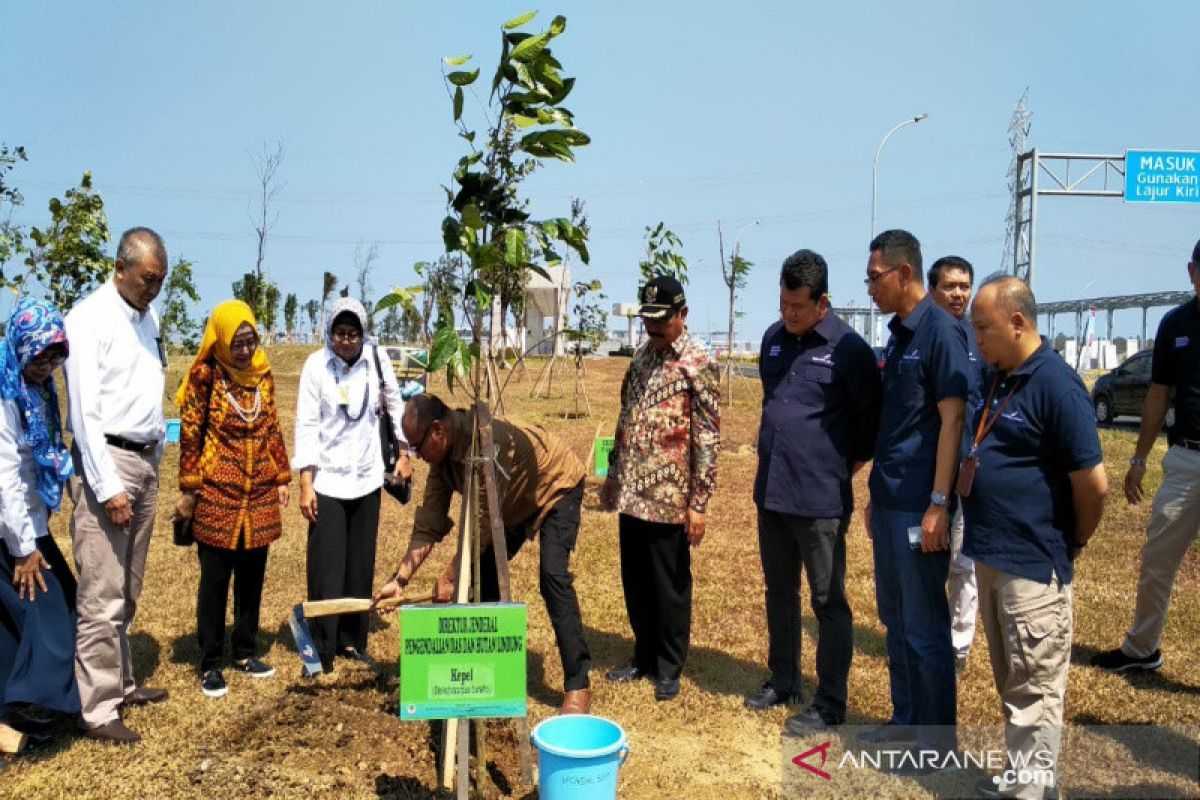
(661, 474)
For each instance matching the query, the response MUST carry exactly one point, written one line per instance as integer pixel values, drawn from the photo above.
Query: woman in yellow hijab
(230, 440)
(247, 366)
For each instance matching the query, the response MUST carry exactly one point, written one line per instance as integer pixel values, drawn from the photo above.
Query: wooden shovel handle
(409, 600)
(357, 605)
(11, 739)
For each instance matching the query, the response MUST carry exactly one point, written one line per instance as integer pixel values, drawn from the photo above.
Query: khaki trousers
(1174, 523)
(110, 562)
(962, 589)
(1028, 627)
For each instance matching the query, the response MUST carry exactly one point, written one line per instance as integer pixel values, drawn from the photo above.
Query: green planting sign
(461, 661)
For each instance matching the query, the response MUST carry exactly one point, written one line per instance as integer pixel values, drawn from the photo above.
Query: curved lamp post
(874, 187)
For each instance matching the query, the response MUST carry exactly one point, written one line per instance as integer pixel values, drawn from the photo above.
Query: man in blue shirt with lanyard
(916, 451)
(1033, 486)
(820, 410)
(1173, 526)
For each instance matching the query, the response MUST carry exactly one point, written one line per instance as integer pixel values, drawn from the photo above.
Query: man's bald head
(424, 409)
(141, 267)
(1012, 295)
(140, 244)
(426, 426)
(1004, 315)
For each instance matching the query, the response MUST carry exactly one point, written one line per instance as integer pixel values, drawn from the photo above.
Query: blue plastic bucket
(578, 757)
(172, 431)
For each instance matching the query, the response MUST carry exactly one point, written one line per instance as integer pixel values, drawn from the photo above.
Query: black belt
(129, 444)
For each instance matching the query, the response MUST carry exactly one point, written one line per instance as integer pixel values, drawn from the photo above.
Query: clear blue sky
(698, 111)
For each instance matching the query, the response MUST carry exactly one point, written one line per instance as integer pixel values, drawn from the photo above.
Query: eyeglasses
(53, 361)
(248, 343)
(871, 280)
(415, 449)
(347, 335)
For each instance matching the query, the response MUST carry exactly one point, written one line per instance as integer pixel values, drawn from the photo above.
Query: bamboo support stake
(477, 597)
(483, 420)
(591, 459)
(450, 733)
(546, 373)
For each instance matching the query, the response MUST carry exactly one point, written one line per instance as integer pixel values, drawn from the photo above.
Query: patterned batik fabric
(233, 464)
(668, 434)
(33, 326)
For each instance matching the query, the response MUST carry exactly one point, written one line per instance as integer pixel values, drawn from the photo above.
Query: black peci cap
(661, 298)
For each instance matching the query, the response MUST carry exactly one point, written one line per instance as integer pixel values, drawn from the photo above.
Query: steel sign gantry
(1051, 174)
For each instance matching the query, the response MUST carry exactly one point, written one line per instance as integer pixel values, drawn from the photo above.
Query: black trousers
(341, 563)
(217, 565)
(786, 543)
(559, 532)
(656, 572)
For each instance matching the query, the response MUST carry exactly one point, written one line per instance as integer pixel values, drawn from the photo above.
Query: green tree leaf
(471, 216)
(558, 25)
(398, 296)
(451, 234)
(514, 247)
(567, 85)
(528, 49)
(540, 270)
(462, 78)
(458, 103)
(517, 22)
(455, 61)
(445, 345)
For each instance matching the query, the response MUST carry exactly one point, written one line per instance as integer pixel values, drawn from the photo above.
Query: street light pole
(874, 189)
(731, 282)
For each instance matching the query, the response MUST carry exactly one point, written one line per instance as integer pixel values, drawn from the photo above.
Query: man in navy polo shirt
(916, 453)
(1173, 525)
(1033, 484)
(951, 279)
(820, 410)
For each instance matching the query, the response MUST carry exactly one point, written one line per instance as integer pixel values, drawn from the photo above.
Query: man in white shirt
(115, 387)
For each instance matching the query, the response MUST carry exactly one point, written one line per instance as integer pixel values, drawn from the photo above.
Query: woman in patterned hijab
(37, 588)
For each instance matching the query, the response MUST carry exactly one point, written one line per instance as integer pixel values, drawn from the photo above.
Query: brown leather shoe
(576, 701)
(113, 732)
(142, 696)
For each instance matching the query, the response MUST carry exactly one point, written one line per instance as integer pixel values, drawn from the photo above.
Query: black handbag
(400, 489)
(182, 529)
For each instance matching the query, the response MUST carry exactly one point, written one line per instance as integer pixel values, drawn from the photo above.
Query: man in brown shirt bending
(540, 483)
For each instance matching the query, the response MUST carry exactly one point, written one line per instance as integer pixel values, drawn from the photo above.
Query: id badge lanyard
(343, 396)
(987, 421)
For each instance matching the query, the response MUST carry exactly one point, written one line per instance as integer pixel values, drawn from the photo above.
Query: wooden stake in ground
(580, 390)
(481, 469)
(494, 390)
(523, 367)
(466, 534)
(483, 421)
(546, 374)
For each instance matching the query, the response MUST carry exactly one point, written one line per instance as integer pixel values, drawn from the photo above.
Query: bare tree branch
(266, 167)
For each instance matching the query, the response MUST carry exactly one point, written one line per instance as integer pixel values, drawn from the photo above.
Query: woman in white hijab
(344, 388)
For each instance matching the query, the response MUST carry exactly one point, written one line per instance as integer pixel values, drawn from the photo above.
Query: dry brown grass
(340, 737)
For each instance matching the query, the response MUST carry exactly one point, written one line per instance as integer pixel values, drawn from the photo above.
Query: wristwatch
(1137, 462)
(937, 498)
